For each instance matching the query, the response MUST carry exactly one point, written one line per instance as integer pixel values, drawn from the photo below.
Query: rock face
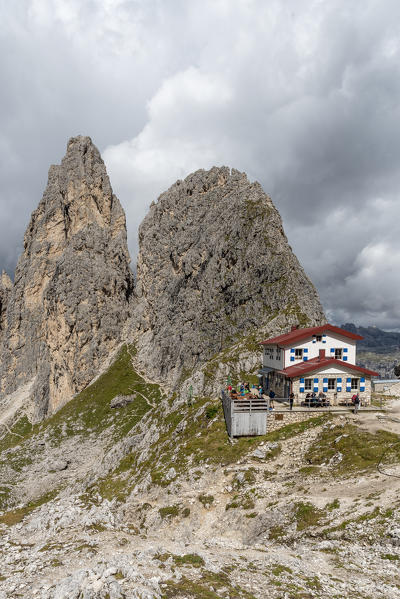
(73, 284)
(5, 291)
(214, 264)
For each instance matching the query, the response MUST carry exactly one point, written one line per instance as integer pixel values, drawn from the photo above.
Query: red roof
(299, 334)
(317, 364)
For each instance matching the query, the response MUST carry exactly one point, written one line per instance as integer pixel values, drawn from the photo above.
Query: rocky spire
(73, 283)
(214, 265)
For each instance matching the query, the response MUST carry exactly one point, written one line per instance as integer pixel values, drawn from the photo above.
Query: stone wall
(334, 397)
(393, 390)
(276, 420)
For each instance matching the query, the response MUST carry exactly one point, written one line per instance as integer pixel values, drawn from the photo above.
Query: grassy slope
(89, 413)
(190, 435)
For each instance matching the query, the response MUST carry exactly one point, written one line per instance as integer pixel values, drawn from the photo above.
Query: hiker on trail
(271, 399)
(291, 400)
(356, 403)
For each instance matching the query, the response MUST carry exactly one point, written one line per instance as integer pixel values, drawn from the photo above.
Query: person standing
(356, 403)
(271, 399)
(291, 400)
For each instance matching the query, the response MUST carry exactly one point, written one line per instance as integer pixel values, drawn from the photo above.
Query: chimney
(295, 327)
(321, 354)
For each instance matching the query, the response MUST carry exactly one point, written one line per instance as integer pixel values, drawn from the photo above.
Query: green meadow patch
(360, 450)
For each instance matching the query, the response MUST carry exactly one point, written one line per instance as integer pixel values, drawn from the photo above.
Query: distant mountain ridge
(375, 339)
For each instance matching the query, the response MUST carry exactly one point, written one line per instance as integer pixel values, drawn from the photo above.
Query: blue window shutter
(292, 350)
(332, 350)
(305, 358)
(344, 358)
(291, 358)
(345, 350)
(305, 350)
(301, 380)
(339, 380)
(348, 379)
(325, 380)
(315, 380)
(362, 379)
(323, 338)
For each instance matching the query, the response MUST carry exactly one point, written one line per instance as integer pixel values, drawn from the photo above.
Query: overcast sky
(302, 95)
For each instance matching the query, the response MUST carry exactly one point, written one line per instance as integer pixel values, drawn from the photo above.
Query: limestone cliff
(5, 291)
(73, 284)
(214, 265)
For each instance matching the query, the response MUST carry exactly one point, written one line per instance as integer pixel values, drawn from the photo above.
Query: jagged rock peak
(214, 264)
(78, 193)
(73, 284)
(5, 281)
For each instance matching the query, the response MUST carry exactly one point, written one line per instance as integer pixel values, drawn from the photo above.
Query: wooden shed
(245, 417)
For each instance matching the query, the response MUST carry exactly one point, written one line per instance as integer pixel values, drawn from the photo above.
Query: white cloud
(302, 95)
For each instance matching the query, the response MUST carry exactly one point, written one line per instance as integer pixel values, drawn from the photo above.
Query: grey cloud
(303, 96)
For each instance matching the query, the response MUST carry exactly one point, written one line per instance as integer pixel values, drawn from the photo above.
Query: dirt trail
(388, 420)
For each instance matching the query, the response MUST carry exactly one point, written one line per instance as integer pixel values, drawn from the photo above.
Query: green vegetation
(211, 412)
(391, 557)
(55, 562)
(297, 428)
(313, 583)
(245, 502)
(207, 586)
(245, 477)
(360, 450)
(301, 318)
(306, 514)
(90, 413)
(19, 432)
(170, 511)
(15, 516)
(378, 519)
(205, 441)
(334, 505)
(190, 559)
(5, 493)
(90, 410)
(111, 487)
(230, 356)
(206, 500)
(279, 569)
(276, 532)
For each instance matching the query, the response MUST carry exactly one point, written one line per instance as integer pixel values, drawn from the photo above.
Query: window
(269, 353)
(331, 384)
(318, 337)
(307, 384)
(338, 353)
(278, 353)
(354, 383)
(298, 354)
